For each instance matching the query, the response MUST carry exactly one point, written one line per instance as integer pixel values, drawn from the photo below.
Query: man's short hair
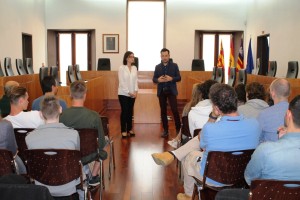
(47, 84)
(223, 96)
(9, 85)
(16, 93)
(294, 107)
(281, 87)
(205, 87)
(256, 90)
(50, 107)
(165, 50)
(78, 89)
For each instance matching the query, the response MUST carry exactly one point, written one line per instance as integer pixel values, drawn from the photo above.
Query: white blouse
(127, 80)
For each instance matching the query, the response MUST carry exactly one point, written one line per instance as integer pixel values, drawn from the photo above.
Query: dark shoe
(165, 134)
(131, 134)
(94, 181)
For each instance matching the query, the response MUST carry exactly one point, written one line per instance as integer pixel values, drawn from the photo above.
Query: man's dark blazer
(173, 71)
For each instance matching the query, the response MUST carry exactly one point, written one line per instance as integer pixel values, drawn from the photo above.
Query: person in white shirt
(127, 92)
(18, 103)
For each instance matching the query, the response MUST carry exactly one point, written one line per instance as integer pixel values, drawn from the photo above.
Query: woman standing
(127, 92)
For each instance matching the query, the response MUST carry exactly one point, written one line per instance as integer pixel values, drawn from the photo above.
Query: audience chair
(71, 74)
(198, 65)
(42, 74)
(7, 67)
(224, 167)
(20, 134)
(105, 124)
(213, 76)
(54, 73)
(232, 76)
(220, 74)
(103, 64)
(197, 131)
(77, 72)
(272, 68)
(54, 167)
(1, 71)
(7, 162)
(20, 68)
(136, 62)
(242, 77)
(28, 66)
(292, 71)
(262, 189)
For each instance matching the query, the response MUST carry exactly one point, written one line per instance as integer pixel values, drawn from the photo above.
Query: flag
(240, 61)
(250, 65)
(231, 55)
(221, 57)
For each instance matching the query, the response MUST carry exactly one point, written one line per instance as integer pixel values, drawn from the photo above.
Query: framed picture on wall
(110, 43)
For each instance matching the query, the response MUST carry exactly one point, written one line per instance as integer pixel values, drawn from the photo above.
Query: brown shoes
(163, 159)
(182, 196)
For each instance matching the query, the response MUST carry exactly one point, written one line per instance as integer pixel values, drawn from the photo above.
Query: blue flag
(250, 65)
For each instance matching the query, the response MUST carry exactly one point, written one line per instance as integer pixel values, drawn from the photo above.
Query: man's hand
(168, 78)
(162, 79)
(281, 131)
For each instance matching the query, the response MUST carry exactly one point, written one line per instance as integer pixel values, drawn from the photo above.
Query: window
(143, 18)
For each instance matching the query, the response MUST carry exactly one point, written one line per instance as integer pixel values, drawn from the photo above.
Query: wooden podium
(146, 107)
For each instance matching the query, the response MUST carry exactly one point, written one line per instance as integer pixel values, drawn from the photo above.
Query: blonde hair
(196, 97)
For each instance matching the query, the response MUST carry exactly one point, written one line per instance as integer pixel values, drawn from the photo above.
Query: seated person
(7, 136)
(240, 90)
(54, 135)
(49, 86)
(255, 101)
(19, 102)
(77, 116)
(274, 160)
(4, 101)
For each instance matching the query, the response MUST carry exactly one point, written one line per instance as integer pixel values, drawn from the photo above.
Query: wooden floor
(136, 176)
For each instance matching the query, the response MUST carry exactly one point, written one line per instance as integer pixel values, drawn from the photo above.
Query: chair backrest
(1, 72)
(103, 64)
(213, 75)
(53, 166)
(258, 66)
(7, 67)
(20, 134)
(262, 189)
(105, 125)
(88, 143)
(242, 77)
(42, 74)
(220, 74)
(20, 68)
(28, 66)
(197, 131)
(7, 162)
(54, 73)
(136, 62)
(292, 71)
(272, 68)
(198, 65)
(227, 167)
(77, 72)
(232, 76)
(185, 130)
(71, 74)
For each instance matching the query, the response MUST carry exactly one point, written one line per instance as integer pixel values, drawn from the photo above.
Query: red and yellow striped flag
(221, 57)
(240, 61)
(231, 55)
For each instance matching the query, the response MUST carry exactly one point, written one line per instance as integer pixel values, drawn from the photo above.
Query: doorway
(262, 54)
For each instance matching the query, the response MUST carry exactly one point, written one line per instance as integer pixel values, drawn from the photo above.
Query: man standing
(166, 75)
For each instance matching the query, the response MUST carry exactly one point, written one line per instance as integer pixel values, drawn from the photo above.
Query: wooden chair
(54, 167)
(105, 124)
(20, 134)
(7, 162)
(262, 189)
(224, 167)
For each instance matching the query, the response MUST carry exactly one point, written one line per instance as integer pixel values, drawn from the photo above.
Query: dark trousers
(163, 98)
(127, 104)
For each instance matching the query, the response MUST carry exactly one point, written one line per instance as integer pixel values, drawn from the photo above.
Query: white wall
(17, 17)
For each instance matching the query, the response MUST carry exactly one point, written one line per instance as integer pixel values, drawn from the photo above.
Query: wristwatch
(212, 117)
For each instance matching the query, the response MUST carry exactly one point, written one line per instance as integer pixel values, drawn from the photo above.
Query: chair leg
(113, 154)
(110, 161)
(102, 184)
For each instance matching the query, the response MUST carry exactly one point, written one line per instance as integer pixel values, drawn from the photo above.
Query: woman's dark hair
(240, 92)
(204, 88)
(255, 90)
(294, 107)
(126, 55)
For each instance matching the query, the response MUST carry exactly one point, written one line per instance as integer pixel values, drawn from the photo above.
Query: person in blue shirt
(49, 86)
(277, 160)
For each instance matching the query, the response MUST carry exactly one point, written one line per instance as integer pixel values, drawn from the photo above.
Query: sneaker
(173, 143)
(94, 181)
(182, 196)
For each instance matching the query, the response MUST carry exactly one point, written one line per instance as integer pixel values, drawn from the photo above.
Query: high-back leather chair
(77, 72)
(242, 77)
(198, 65)
(232, 76)
(54, 73)
(71, 76)
(136, 62)
(258, 68)
(292, 71)
(273, 69)
(220, 74)
(28, 66)
(1, 72)
(43, 72)
(213, 75)
(263, 189)
(7, 67)
(7, 162)
(224, 167)
(103, 64)
(20, 68)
